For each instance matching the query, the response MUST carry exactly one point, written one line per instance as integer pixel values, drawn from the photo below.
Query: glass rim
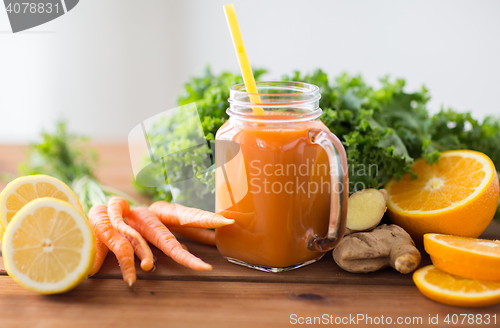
(308, 88)
(298, 94)
(282, 118)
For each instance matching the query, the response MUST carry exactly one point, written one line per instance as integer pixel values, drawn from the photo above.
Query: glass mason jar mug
(283, 180)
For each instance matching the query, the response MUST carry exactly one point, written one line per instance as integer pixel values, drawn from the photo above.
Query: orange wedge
(453, 290)
(465, 257)
(457, 196)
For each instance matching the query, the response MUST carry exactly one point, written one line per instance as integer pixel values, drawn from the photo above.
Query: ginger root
(386, 245)
(365, 209)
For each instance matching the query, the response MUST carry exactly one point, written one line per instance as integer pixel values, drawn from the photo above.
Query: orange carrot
(178, 215)
(119, 245)
(100, 255)
(202, 236)
(138, 249)
(119, 208)
(152, 229)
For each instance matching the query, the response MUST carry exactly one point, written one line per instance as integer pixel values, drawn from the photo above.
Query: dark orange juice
(288, 195)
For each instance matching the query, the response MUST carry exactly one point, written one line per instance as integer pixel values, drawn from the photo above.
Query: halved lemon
(48, 246)
(457, 196)
(465, 257)
(22, 190)
(453, 290)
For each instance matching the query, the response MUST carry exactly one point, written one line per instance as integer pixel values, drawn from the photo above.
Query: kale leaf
(383, 129)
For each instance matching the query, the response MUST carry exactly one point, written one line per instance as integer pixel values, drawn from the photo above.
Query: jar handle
(339, 191)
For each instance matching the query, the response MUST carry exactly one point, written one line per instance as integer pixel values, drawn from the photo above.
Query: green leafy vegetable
(383, 129)
(61, 154)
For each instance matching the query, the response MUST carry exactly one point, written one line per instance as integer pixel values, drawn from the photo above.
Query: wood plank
(110, 303)
(324, 271)
(115, 170)
(114, 167)
(10, 157)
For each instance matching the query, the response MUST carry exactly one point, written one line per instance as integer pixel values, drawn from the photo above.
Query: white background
(109, 64)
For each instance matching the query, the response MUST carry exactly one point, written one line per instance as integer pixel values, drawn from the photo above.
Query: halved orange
(453, 290)
(22, 190)
(457, 196)
(465, 257)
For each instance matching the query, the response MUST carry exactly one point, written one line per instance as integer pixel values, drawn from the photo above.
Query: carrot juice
(277, 188)
(288, 196)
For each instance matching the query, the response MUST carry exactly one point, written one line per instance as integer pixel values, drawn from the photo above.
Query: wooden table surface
(228, 296)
